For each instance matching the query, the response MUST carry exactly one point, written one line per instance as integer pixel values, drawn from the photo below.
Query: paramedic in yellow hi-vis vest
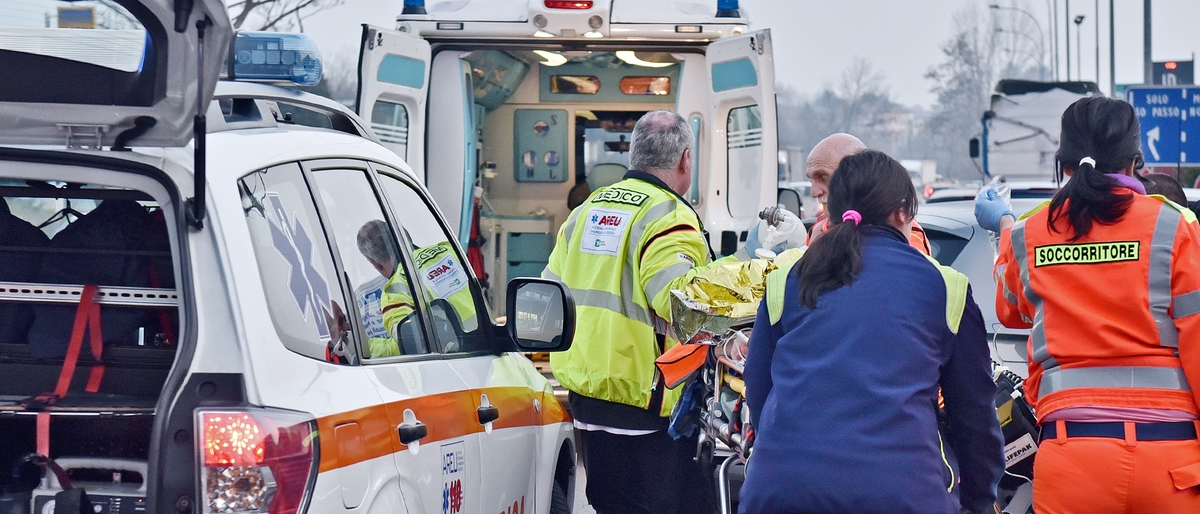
(621, 252)
(395, 301)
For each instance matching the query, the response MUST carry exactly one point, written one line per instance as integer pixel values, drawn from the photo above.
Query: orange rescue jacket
(1114, 313)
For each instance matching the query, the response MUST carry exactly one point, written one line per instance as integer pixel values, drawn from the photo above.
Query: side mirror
(789, 199)
(974, 148)
(541, 315)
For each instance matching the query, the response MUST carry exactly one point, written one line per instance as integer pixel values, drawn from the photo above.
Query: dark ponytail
(876, 186)
(1105, 131)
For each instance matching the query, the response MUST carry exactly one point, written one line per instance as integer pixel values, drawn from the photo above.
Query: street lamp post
(1038, 57)
(1041, 34)
(1097, 14)
(1078, 48)
(1067, 39)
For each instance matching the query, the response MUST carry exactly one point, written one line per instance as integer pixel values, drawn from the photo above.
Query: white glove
(789, 234)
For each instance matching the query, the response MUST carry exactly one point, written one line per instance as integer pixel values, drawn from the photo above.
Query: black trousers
(647, 474)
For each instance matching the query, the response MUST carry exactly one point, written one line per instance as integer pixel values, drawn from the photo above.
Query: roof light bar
(568, 4)
(728, 9)
(414, 7)
(275, 57)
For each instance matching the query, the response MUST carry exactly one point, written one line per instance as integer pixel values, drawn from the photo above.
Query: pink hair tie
(852, 215)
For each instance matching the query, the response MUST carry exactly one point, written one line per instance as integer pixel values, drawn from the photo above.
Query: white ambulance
(231, 298)
(527, 104)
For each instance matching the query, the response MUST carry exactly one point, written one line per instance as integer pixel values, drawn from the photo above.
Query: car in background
(797, 197)
(958, 241)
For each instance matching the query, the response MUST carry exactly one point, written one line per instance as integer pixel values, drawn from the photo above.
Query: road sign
(1174, 73)
(1168, 115)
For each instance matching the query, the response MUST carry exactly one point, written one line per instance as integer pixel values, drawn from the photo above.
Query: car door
(433, 436)
(393, 85)
(308, 308)
(741, 73)
(395, 74)
(507, 411)
(104, 88)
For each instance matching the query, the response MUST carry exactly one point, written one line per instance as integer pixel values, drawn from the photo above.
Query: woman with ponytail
(847, 355)
(1109, 281)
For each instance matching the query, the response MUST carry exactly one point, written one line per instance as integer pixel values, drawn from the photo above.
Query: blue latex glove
(990, 208)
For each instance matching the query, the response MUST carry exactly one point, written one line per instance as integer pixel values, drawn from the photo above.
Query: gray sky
(816, 39)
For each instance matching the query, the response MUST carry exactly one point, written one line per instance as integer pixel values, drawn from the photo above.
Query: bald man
(822, 161)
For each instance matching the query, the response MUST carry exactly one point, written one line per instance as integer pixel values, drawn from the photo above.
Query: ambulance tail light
(568, 4)
(256, 460)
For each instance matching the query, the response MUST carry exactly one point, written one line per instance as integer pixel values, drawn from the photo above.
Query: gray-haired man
(621, 252)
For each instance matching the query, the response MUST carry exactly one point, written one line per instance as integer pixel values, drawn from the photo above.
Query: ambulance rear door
(741, 73)
(393, 84)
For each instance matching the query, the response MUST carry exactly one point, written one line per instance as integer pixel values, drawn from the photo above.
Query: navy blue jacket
(844, 396)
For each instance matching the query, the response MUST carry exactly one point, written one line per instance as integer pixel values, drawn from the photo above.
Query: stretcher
(709, 367)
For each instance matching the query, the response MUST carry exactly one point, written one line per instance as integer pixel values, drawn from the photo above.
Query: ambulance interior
(56, 237)
(549, 127)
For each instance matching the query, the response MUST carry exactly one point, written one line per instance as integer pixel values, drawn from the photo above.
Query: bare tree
(862, 89)
(275, 14)
(339, 79)
(963, 84)
(858, 103)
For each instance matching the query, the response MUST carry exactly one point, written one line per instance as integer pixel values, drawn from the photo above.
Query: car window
(372, 263)
(744, 160)
(299, 279)
(945, 246)
(445, 281)
(389, 120)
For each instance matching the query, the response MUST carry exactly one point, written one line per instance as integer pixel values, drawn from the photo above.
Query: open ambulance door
(453, 160)
(741, 72)
(393, 83)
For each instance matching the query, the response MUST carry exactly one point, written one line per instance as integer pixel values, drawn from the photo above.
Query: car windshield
(99, 33)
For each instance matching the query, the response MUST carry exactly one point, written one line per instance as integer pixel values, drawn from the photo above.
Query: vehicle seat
(605, 174)
(108, 247)
(19, 265)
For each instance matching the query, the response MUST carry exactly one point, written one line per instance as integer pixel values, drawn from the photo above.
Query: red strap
(97, 340)
(43, 433)
(87, 317)
(83, 317)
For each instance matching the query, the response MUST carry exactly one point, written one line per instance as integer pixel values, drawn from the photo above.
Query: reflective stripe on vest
(776, 284)
(1037, 336)
(1055, 379)
(1185, 305)
(664, 277)
(956, 293)
(1141, 377)
(1161, 246)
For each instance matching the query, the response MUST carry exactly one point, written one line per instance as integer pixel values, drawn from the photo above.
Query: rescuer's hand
(990, 208)
(790, 233)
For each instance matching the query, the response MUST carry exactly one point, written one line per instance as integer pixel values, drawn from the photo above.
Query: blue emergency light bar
(728, 9)
(274, 57)
(414, 7)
